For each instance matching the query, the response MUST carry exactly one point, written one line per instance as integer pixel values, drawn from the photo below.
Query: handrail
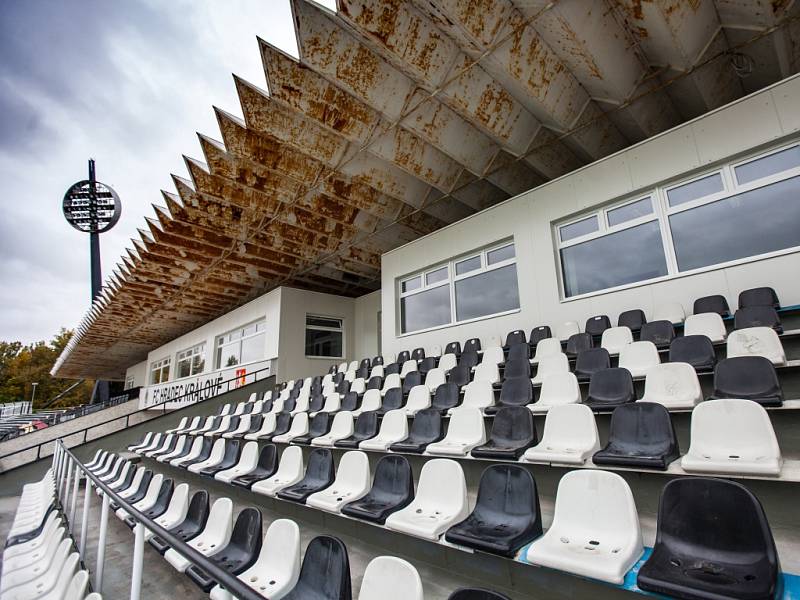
(85, 430)
(232, 583)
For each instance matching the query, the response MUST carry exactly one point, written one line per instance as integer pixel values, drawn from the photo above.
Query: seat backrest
(390, 578)
(566, 329)
(612, 386)
(661, 333)
(515, 337)
(469, 359)
(466, 424)
(320, 425)
(377, 371)
(419, 397)
(196, 517)
(393, 479)
(392, 381)
(178, 504)
(218, 526)
(567, 424)
(299, 424)
(366, 425)
(597, 325)
(447, 395)
(642, 427)
(403, 356)
(434, 378)
(714, 304)
(493, 355)
(453, 348)
(245, 537)
(615, 338)
(578, 342)
(249, 455)
(280, 550)
(76, 589)
(394, 425)
(268, 458)
(325, 572)
(555, 363)
(472, 345)
(375, 382)
(371, 400)
(757, 316)
(478, 393)
(696, 350)
(542, 332)
(592, 360)
(441, 484)
(282, 423)
(547, 347)
(291, 461)
(418, 354)
(153, 489)
(709, 324)
(756, 341)
(669, 311)
(732, 424)
(460, 375)
(513, 425)
(342, 425)
(748, 377)
(517, 368)
(448, 361)
(350, 399)
(426, 426)
(508, 494)
(486, 372)
(639, 355)
(633, 319)
(392, 400)
(426, 364)
(519, 352)
(760, 296)
(560, 388)
(353, 470)
(517, 391)
(377, 360)
(672, 383)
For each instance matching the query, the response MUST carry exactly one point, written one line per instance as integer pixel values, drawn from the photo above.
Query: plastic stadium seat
(325, 574)
(267, 428)
(392, 489)
(616, 338)
(641, 435)
(512, 434)
(265, 467)
(248, 460)
(709, 324)
(557, 389)
(76, 590)
(506, 515)
(748, 378)
(453, 348)
(579, 342)
(25, 567)
(756, 341)
(175, 512)
(371, 402)
(550, 365)
(761, 296)
(696, 350)
(394, 427)
(472, 345)
(519, 352)
(493, 355)
(392, 381)
(517, 369)
(633, 319)
(476, 594)
(182, 447)
(341, 428)
(350, 399)
(570, 436)
(303, 404)
(727, 552)
(366, 427)
(610, 388)
(426, 428)
(595, 531)
(277, 567)
(153, 510)
(282, 423)
(189, 527)
(639, 358)
(134, 495)
(460, 375)
(732, 436)
(392, 401)
(390, 578)
(448, 361)
(412, 379)
(351, 483)
(447, 396)
(183, 424)
(427, 364)
(538, 334)
(670, 311)
(546, 347)
(377, 371)
(40, 581)
(673, 385)
(515, 337)
(465, 432)
(590, 362)
(289, 472)
(378, 360)
(320, 426)
(441, 501)
(661, 333)
(332, 404)
(566, 329)
(238, 554)
(143, 502)
(418, 354)
(434, 379)
(515, 392)
(478, 394)
(712, 304)
(595, 326)
(100, 456)
(215, 535)
(409, 366)
(375, 382)
(299, 427)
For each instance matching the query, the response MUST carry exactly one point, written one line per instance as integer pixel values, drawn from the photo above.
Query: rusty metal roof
(401, 117)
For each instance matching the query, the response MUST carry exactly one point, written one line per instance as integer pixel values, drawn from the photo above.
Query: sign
(91, 206)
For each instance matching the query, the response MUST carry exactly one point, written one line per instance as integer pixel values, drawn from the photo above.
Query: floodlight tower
(93, 207)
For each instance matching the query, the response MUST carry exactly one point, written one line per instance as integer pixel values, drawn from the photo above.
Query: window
(130, 382)
(578, 229)
(190, 362)
(324, 337)
(467, 288)
(242, 345)
(159, 371)
(699, 188)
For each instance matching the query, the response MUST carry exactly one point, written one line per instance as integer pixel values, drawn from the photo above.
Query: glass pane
(629, 212)
(500, 254)
(635, 254)
(323, 322)
(487, 293)
(323, 343)
(184, 368)
(228, 356)
(694, 190)
(768, 165)
(198, 363)
(436, 276)
(470, 264)
(579, 228)
(755, 222)
(426, 309)
(253, 348)
(249, 330)
(411, 284)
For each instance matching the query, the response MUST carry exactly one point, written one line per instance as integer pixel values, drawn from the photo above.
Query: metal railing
(239, 381)
(66, 469)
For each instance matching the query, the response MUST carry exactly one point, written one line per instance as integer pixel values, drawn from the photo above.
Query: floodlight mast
(94, 235)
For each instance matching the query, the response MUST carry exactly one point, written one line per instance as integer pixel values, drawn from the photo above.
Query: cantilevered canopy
(401, 117)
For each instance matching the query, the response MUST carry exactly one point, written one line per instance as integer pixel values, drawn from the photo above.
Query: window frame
(238, 340)
(158, 365)
(340, 329)
(190, 353)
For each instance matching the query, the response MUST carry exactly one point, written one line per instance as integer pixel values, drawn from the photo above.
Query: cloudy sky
(126, 83)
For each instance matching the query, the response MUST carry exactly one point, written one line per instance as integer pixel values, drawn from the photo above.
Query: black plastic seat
(506, 514)
(289, 405)
(426, 428)
(140, 492)
(418, 353)
(363, 372)
(459, 375)
(590, 362)
(320, 425)
(282, 423)
(332, 369)
(632, 319)
(760, 296)
(233, 448)
(392, 489)
(515, 337)
(446, 397)
(476, 594)
(578, 342)
(542, 332)
(375, 383)
(343, 387)
(169, 448)
(266, 406)
(519, 368)
(366, 427)
(469, 359)
(391, 401)
(641, 435)
(32, 534)
(365, 364)
(349, 401)
(256, 421)
(661, 333)
(316, 402)
(240, 553)
(757, 316)
(325, 574)
(697, 350)
(233, 425)
(516, 391)
(610, 388)
(453, 348)
(205, 452)
(403, 356)
(713, 541)
(712, 304)
(426, 364)
(265, 468)
(319, 475)
(126, 483)
(519, 352)
(338, 377)
(412, 379)
(160, 507)
(194, 523)
(378, 360)
(391, 369)
(595, 326)
(512, 433)
(748, 378)
(472, 345)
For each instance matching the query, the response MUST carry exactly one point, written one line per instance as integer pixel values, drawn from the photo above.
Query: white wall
(139, 374)
(367, 308)
(759, 120)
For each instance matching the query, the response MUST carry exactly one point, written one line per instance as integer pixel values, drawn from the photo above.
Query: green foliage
(20, 366)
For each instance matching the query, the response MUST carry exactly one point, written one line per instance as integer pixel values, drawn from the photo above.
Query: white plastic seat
(101, 453)
(614, 339)
(551, 365)
(493, 355)
(244, 425)
(166, 441)
(376, 371)
(756, 341)
(137, 479)
(40, 575)
(351, 483)
(570, 436)
(120, 478)
(258, 406)
(639, 358)
(290, 471)
(40, 555)
(226, 410)
(447, 361)
(327, 378)
(76, 589)
(194, 452)
(546, 347)
(277, 567)
(277, 406)
(183, 442)
(392, 381)
(182, 425)
(248, 461)
(267, 427)
(155, 442)
(408, 366)
(342, 427)
(595, 531)
(435, 350)
(477, 394)
(371, 401)
(493, 341)
(669, 311)
(390, 578)
(440, 501)
(216, 456)
(298, 427)
(419, 398)
(434, 379)
(149, 499)
(240, 408)
(267, 396)
(176, 510)
(487, 372)
(674, 385)
(358, 386)
(394, 427)
(207, 426)
(52, 584)
(565, 330)
(353, 365)
(342, 367)
(51, 526)
(333, 403)
(732, 436)
(224, 424)
(710, 325)
(465, 432)
(215, 535)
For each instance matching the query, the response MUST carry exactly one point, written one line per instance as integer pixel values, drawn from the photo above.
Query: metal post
(74, 507)
(101, 545)
(65, 496)
(138, 561)
(87, 495)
